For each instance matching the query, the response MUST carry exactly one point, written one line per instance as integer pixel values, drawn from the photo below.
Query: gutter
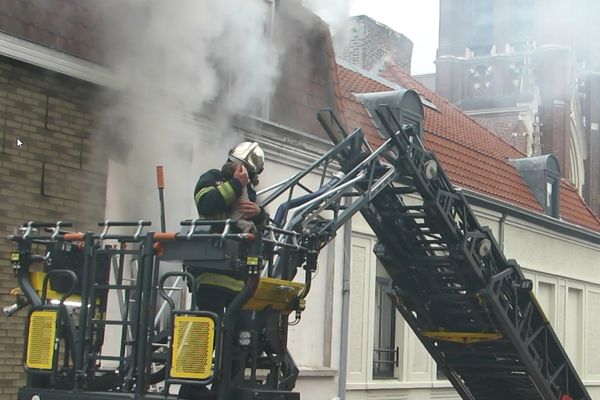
(545, 221)
(53, 60)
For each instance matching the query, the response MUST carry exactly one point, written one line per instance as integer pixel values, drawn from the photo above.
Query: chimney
(371, 44)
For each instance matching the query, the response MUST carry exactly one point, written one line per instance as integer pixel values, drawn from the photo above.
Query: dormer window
(542, 175)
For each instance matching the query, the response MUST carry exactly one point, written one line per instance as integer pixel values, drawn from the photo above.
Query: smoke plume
(335, 13)
(185, 68)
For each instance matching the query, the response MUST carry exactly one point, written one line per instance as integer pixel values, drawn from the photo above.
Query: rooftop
(473, 157)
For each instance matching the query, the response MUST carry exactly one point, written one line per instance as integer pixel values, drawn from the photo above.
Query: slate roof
(473, 157)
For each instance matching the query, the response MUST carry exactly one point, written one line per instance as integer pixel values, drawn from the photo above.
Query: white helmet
(250, 155)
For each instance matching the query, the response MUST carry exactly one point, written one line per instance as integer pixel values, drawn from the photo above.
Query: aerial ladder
(472, 309)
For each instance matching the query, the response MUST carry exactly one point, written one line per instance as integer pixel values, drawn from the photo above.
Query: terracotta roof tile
(573, 208)
(472, 156)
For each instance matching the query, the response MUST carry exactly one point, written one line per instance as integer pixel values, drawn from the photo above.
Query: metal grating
(40, 339)
(193, 342)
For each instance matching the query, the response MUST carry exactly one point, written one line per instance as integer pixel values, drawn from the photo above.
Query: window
(385, 353)
(480, 78)
(552, 196)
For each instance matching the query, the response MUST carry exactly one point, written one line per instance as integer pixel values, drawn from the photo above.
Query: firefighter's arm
(253, 212)
(214, 198)
(261, 219)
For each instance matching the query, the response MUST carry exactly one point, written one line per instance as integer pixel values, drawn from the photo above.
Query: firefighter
(218, 195)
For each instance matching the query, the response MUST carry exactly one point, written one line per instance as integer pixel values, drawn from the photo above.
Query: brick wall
(371, 43)
(70, 26)
(307, 82)
(59, 174)
(505, 126)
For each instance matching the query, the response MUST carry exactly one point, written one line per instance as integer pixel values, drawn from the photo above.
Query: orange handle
(160, 177)
(73, 237)
(164, 235)
(158, 248)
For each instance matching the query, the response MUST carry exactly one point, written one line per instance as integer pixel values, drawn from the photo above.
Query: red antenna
(160, 183)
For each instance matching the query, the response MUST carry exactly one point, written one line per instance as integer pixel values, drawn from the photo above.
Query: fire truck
(472, 308)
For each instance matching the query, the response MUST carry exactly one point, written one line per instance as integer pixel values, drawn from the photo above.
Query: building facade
(54, 98)
(81, 160)
(47, 101)
(526, 70)
(553, 251)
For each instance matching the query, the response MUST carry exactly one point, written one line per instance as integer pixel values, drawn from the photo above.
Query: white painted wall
(566, 283)
(315, 342)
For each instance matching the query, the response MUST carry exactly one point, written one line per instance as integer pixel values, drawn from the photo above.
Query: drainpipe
(501, 231)
(345, 310)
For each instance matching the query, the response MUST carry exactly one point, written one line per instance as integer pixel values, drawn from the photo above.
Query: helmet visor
(250, 155)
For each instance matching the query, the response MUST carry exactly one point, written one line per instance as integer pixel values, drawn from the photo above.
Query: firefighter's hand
(241, 174)
(249, 209)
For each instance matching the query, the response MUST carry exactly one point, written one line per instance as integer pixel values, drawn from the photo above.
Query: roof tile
(472, 156)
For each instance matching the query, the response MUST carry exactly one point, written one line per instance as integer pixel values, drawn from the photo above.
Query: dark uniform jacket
(214, 197)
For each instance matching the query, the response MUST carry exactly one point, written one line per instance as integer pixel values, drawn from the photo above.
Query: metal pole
(81, 345)
(160, 183)
(146, 275)
(345, 323)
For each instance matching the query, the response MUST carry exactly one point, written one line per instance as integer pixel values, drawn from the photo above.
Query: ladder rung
(435, 273)
(485, 374)
(490, 364)
(434, 248)
(105, 286)
(433, 260)
(106, 358)
(418, 208)
(110, 322)
(412, 215)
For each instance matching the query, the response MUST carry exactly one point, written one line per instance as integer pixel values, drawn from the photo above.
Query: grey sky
(418, 20)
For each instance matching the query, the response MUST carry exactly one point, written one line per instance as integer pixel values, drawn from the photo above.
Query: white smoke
(335, 13)
(186, 68)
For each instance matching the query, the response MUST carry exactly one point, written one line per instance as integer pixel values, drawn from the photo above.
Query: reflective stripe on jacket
(220, 280)
(225, 189)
